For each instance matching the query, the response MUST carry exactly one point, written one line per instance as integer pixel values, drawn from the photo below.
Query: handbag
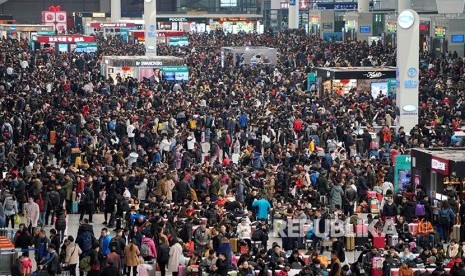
(17, 219)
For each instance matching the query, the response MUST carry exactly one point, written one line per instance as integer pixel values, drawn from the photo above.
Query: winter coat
(32, 214)
(175, 257)
(72, 253)
(142, 190)
(336, 196)
(131, 256)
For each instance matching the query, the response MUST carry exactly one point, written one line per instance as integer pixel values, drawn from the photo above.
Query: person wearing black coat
(110, 270)
(60, 223)
(110, 202)
(89, 206)
(407, 209)
(183, 189)
(338, 246)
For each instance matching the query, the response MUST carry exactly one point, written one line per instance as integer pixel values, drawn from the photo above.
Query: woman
(137, 236)
(446, 220)
(10, 209)
(194, 264)
(131, 257)
(163, 255)
(176, 258)
(22, 237)
(152, 248)
(169, 184)
(60, 223)
(96, 259)
(32, 213)
(72, 252)
(453, 250)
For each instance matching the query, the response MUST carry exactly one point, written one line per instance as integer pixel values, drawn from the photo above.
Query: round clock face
(406, 19)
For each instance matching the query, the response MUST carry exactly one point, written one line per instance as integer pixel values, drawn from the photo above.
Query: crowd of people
(198, 172)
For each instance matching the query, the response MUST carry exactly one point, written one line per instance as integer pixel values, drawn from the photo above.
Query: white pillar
(115, 9)
(408, 49)
(403, 5)
(150, 21)
(364, 6)
(293, 14)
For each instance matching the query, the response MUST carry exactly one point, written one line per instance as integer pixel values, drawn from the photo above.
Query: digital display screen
(457, 38)
(365, 29)
(63, 48)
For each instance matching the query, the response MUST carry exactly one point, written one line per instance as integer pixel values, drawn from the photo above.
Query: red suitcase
(377, 266)
(379, 242)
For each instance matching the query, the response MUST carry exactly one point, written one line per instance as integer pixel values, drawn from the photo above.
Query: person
(41, 244)
(114, 258)
(454, 250)
(131, 257)
(295, 259)
(335, 266)
(22, 238)
(85, 238)
(163, 255)
(52, 264)
(176, 258)
(111, 269)
(72, 255)
(221, 267)
(104, 242)
(32, 213)
(245, 269)
(263, 207)
(148, 243)
(285, 270)
(446, 220)
(10, 209)
(202, 238)
(156, 77)
(405, 269)
(225, 248)
(244, 232)
(61, 222)
(87, 202)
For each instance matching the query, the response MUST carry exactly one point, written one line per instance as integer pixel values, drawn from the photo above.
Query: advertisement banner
(169, 73)
(65, 39)
(440, 165)
(111, 25)
(178, 41)
(150, 19)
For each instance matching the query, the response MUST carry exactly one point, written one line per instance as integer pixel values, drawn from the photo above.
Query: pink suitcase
(361, 229)
(182, 270)
(413, 228)
(371, 194)
(379, 242)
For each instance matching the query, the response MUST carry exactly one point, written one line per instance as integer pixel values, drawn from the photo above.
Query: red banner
(65, 39)
(110, 25)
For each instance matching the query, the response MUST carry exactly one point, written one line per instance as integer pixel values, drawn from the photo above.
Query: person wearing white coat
(176, 258)
(142, 190)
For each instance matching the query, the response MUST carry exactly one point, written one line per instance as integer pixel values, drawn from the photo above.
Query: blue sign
(292, 2)
(412, 72)
(152, 27)
(341, 6)
(410, 84)
(12, 28)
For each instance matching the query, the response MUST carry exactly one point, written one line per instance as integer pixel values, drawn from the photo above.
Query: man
(87, 202)
(52, 263)
(335, 265)
(41, 244)
(156, 77)
(104, 242)
(111, 269)
(114, 258)
(226, 249)
(263, 207)
(221, 267)
(72, 254)
(85, 238)
(68, 188)
(202, 238)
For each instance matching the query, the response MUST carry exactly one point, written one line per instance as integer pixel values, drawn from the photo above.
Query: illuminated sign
(177, 19)
(440, 165)
(440, 31)
(66, 39)
(97, 25)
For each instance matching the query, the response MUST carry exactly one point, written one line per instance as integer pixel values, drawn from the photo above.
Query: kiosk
(250, 55)
(156, 68)
(435, 168)
(341, 80)
(402, 172)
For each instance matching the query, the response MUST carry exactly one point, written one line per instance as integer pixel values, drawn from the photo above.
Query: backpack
(54, 198)
(87, 241)
(115, 244)
(42, 250)
(9, 204)
(84, 264)
(111, 126)
(82, 198)
(145, 249)
(444, 218)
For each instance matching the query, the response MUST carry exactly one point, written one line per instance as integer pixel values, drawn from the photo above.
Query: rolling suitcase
(413, 228)
(456, 233)
(53, 137)
(182, 270)
(74, 207)
(379, 242)
(350, 242)
(393, 240)
(233, 242)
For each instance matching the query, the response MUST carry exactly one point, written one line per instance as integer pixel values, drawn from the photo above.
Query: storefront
(65, 43)
(110, 28)
(439, 168)
(23, 32)
(342, 80)
(157, 68)
(138, 36)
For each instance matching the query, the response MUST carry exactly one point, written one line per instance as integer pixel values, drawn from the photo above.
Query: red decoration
(126, 68)
(344, 82)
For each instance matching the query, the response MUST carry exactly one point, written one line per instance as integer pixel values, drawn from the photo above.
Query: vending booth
(156, 68)
(341, 80)
(250, 55)
(437, 168)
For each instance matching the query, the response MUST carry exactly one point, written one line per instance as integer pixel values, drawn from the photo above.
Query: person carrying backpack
(446, 221)
(148, 250)
(10, 209)
(53, 203)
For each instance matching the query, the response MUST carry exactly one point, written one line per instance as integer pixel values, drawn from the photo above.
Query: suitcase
(456, 233)
(244, 248)
(413, 228)
(371, 194)
(350, 242)
(182, 270)
(361, 230)
(377, 266)
(74, 207)
(374, 206)
(393, 240)
(233, 242)
(53, 137)
(379, 242)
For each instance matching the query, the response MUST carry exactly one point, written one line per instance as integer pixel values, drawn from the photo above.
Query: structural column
(115, 9)
(403, 5)
(364, 6)
(293, 14)
(150, 21)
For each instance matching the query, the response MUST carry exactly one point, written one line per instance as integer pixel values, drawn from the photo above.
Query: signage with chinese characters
(149, 63)
(339, 6)
(110, 25)
(177, 19)
(440, 165)
(327, 25)
(66, 39)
